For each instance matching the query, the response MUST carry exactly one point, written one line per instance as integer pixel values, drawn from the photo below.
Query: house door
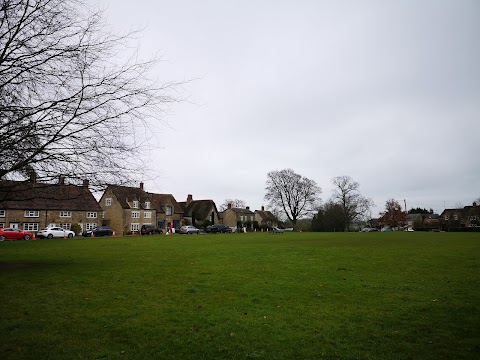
(14, 225)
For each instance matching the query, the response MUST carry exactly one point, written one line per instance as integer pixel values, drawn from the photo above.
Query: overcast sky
(387, 92)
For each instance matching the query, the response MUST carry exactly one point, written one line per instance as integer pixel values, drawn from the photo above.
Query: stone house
(169, 212)
(422, 221)
(265, 218)
(199, 211)
(126, 209)
(31, 205)
(467, 217)
(232, 216)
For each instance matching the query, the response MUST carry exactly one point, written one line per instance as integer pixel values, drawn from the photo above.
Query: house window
(135, 204)
(32, 213)
(108, 202)
(168, 211)
(147, 214)
(135, 214)
(455, 217)
(135, 227)
(65, 214)
(90, 226)
(2, 225)
(30, 226)
(91, 215)
(103, 214)
(66, 226)
(147, 204)
(2, 213)
(473, 217)
(446, 217)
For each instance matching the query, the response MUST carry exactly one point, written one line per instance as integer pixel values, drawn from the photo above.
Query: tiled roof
(126, 194)
(23, 195)
(243, 211)
(161, 200)
(266, 215)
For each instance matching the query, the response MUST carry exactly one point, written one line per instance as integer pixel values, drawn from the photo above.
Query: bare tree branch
(355, 206)
(297, 196)
(68, 105)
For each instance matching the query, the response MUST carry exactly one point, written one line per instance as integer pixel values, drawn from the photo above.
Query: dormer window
(135, 204)
(147, 204)
(168, 210)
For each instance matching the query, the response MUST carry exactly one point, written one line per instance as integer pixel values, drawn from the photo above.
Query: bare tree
(355, 206)
(295, 195)
(68, 104)
(235, 203)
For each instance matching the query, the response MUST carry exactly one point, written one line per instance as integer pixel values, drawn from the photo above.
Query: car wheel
(70, 236)
(27, 237)
(2, 238)
(49, 236)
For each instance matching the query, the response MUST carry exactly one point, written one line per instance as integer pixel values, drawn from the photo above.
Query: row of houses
(31, 205)
(467, 217)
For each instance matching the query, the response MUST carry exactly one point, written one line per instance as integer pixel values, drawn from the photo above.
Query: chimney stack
(229, 206)
(263, 208)
(189, 199)
(141, 185)
(86, 183)
(61, 180)
(248, 207)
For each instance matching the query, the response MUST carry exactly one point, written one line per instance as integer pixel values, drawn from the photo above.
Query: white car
(57, 232)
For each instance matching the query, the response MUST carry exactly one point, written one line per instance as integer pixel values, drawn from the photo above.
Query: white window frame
(91, 215)
(65, 214)
(90, 226)
(446, 217)
(455, 217)
(135, 204)
(30, 226)
(3, 213)
(135, 214)
(134, 226)
(147, 215)
(108, 202)
(66, 226)
(31, 213)
(147, 204)
(168, 210)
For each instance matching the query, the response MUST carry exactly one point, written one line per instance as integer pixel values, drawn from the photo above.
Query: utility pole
(405, 201)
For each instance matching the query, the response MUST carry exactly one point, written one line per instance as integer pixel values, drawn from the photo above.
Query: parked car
(100, 231)
(15, 234)
(218, 228)
(188, 229)
(386, 229)
(57, 232)
(150, 230)
(409, 229)
(367, 229)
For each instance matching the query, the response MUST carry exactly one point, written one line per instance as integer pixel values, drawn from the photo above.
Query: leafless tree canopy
(236, 203)
(69, 104)
(355, 206)
(295, 195)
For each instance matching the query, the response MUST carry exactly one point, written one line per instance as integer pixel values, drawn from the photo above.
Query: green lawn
(242, 296)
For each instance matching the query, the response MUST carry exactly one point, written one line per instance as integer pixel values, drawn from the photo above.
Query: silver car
(57, 232)
(188, 229)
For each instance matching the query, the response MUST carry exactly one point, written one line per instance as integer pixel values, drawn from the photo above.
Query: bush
(76, 228)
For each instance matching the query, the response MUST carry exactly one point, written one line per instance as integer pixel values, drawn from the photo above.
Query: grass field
(242, 296)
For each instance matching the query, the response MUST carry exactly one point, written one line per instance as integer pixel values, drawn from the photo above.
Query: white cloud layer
(387, 92)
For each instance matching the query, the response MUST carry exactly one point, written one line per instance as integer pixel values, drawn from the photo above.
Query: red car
(14, 234)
